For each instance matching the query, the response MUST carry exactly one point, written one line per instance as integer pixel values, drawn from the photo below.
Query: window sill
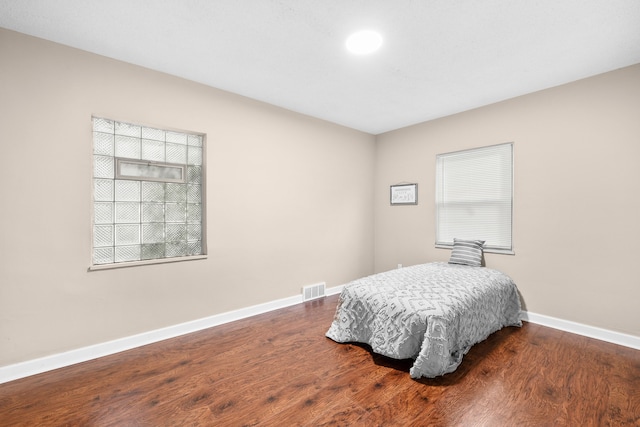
(485, 250)
(99, 267)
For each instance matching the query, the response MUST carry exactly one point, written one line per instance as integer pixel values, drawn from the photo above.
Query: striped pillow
(467, 252)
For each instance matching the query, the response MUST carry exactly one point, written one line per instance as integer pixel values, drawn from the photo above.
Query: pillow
(467, 252)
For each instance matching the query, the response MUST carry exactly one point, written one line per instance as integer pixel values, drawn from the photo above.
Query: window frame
(488, 248)
(118, 177)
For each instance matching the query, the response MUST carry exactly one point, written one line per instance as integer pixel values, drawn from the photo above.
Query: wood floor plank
(279, 369)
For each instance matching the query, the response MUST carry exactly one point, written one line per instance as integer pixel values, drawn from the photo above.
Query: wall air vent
(313, 291)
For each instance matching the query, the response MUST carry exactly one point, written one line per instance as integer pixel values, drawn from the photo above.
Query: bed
(432, 313)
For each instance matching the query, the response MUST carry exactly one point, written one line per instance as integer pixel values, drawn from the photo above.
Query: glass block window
(148, 194)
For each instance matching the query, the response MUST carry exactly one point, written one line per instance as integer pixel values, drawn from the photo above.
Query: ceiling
(438, 57)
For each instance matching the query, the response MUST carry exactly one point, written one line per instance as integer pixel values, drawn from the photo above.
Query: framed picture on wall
(404, 194)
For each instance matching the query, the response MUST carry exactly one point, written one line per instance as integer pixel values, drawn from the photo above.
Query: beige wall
(289, 201)
(577, 195)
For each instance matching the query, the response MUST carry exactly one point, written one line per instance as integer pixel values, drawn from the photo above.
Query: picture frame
(404, 194)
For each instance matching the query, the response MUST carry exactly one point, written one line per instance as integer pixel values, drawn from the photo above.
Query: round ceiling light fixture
(364, 42)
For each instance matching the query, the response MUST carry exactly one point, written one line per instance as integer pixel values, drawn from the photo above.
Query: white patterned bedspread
(432, 313)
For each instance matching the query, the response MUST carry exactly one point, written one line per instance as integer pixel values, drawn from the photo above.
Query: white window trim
(98, 267)
(487, 249)
(122, 160)
(203, 223)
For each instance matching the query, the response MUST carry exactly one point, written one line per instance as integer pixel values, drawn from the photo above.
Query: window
(474, 197)
(148, 195)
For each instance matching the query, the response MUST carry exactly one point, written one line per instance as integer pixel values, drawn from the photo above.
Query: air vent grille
(313, 291)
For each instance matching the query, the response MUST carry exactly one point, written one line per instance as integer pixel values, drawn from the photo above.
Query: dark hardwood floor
(278, 369)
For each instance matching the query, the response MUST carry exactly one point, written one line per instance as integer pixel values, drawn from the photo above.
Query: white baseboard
(335, 290)
(60, 360)
(584, 330)
(49, 363)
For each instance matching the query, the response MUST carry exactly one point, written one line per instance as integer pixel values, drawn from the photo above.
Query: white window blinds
(474, 197)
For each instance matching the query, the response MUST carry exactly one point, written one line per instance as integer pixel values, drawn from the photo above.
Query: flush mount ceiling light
(364, 42)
